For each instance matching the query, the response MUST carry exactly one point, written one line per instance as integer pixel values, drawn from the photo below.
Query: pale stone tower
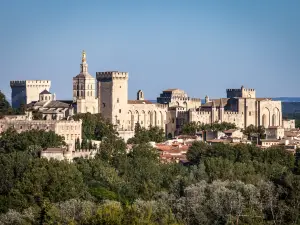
(113, 96)
(27, 91)
(84, 89)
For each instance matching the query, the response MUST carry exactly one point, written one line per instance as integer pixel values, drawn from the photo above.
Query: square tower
(113, 95)
(241, 93)
(27, 91)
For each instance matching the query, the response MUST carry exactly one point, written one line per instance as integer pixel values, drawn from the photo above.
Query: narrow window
(117, 100)
(120, 110)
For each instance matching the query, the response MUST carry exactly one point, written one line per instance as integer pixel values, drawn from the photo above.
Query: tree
(5, 108)
(94, 127)
(11, 140)
(190, 128)
(197, 152)
(256, 132)
(77, 144)
(143, 135)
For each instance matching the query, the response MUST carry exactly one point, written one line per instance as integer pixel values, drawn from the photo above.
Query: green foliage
(142, 135)
(33, 140)
(297, 123)
(253, 131)
(5, 108)
(223, 184)
(37, 115)
(192, 128)
(94, 127)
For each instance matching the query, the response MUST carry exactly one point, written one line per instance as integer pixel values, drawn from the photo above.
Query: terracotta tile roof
(45, 92)
(139, 102)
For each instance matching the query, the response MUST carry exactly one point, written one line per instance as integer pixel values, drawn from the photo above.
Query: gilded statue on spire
(83, 56)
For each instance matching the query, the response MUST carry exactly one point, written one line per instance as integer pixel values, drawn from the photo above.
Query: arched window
(274, 120)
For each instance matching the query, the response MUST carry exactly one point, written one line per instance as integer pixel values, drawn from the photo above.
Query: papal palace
(108, 94)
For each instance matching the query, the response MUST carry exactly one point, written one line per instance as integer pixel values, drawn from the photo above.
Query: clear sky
(202, 47)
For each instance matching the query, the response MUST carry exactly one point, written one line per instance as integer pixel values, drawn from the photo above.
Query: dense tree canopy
(253, 131)
(143, 135)
(192, 128)
(223, 184)
(94, 127)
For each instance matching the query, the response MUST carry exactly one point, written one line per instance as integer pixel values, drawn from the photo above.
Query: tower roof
(45, 92)
(84, 67)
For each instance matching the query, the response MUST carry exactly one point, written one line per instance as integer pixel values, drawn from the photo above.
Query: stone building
(178, 98)
(27, 91)
(114, 105)
(50, 108)
(241, 107)
(84, 90)
(69, 129)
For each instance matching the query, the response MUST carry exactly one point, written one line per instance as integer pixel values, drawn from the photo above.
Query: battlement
(111, 75)
(241, 93)
(186, 99)
(231, 113)
(239, 90)
(162, 106)
(18, 83)
(203, 113)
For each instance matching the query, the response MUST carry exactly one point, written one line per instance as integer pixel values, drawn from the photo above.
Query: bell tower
(84, 89)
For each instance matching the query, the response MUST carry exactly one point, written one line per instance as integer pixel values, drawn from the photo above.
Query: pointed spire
(83, 56)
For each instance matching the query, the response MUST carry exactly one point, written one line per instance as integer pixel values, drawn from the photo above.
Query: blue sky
(202, 47)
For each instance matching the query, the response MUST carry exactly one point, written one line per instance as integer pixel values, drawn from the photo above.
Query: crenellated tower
(112, 89)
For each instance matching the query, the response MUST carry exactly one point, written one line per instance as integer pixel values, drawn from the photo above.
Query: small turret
(140, 95)
(206, 99)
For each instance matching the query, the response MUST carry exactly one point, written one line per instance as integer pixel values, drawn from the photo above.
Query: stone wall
(69, 129)
(289, 124)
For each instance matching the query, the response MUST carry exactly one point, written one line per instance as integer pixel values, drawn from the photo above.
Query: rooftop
(45, 92)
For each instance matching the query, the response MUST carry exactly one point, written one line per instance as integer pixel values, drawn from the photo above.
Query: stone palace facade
(108, 95)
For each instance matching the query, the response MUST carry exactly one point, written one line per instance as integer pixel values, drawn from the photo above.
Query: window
(120, 110)
(103, 104)
(117, 100)
(21, 127)
(120, 86)
(173, 120)
(249, 113)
